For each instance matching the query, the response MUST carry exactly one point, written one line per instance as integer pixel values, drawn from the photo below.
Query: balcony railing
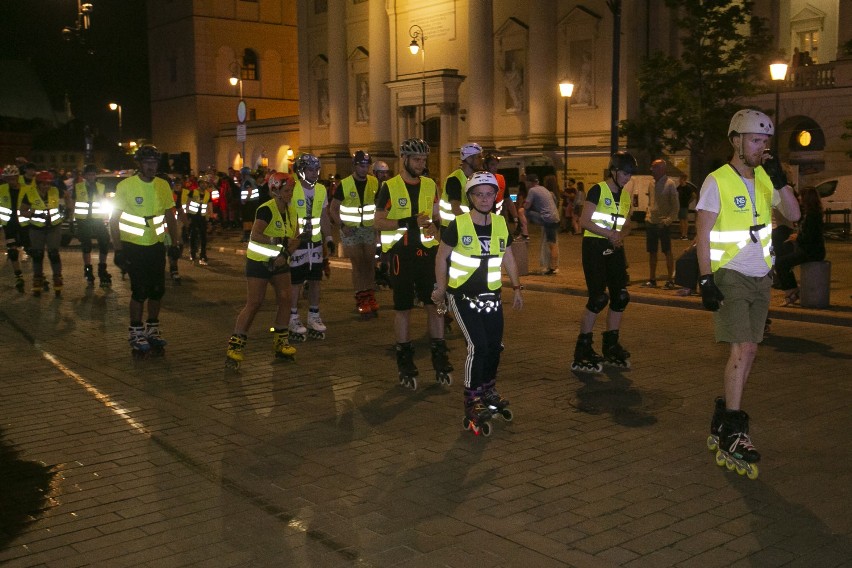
(810, 77)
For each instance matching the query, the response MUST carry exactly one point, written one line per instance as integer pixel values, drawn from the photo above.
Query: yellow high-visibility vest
(401, 208)
(467, 255)
(609, 214)
(445, 209)
(352, 212)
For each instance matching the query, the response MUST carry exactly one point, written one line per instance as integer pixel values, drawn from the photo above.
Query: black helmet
(147, 152)
(413, 146)
(362, 157)
(623, 161)
(306, 161)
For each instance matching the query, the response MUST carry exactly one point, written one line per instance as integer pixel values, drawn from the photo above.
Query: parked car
(110, 181)
(836, 193)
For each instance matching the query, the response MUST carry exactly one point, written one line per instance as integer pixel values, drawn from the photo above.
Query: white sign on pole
(241, 133)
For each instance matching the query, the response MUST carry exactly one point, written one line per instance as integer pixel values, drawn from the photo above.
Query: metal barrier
(834, 229)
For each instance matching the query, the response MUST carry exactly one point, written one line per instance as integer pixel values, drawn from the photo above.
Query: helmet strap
(310, 184)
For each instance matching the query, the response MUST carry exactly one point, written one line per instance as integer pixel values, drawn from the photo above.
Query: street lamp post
(566, 89)
(114, 107)
(236, 80)
(418, 44)
(778, 72)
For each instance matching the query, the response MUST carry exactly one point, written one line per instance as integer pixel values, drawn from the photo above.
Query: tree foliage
(686, 102)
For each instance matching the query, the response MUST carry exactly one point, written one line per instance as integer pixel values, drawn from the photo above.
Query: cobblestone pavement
(328, 462)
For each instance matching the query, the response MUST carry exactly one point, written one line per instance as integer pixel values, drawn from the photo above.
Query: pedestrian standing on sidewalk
(353, 208)
(474, 248)
(268, 262)
(91, 214)
(143, 213)
(662, 211)
(606, 221)
(733, 237)
(541, 209)
(406, 211)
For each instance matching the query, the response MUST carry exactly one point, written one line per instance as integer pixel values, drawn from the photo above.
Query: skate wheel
(752, 471)
(712, 443)
(466, 423)
(485, 427)
(507, 414)
(741, 470)
(720, 458)
(729, 463)
(444, 379)
(231, 364)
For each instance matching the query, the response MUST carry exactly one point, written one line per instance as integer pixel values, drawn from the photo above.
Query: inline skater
(91, 213)
(9, 227)
(474, 248)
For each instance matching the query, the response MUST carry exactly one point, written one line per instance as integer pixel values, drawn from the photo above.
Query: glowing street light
(566, 89)
(117, 107)
(778, 72)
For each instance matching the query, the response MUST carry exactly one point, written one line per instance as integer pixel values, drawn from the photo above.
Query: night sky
(117, 71)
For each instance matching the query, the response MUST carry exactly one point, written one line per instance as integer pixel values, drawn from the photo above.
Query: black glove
(772, 166)
(120, 260)
(174, 252)
(711, 296)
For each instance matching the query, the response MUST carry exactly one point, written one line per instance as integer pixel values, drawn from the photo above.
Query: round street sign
(241, 112)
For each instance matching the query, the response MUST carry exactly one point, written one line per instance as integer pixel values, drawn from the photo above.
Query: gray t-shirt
(541, 203)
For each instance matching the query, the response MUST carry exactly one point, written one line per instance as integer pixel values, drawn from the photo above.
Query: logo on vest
(467, 240)
(740, 201)
(353, 194)
(139, 200)
(402, 202)
(300, 202)
(607, 201)
(278, 224)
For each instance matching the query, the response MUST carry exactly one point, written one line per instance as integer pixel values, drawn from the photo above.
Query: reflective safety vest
(195, 202)
(249, 190)
(98, 208)
(278, 229)
(23, 188)
(43, 211)
(300, 203)
(609, 211)
(6, 204)
(444, 207)
(352, 212)
(735, 222)
(468, 255)
(400, 203)
(146, 225)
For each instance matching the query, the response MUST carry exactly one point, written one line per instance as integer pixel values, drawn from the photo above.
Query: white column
(541, 72)
(480, 77)
(338, 77)
(381, 142)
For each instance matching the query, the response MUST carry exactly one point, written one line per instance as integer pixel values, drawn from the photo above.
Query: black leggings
(198, 232)
(480, 319)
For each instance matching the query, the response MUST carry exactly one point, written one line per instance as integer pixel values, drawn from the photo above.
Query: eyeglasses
(486, 195)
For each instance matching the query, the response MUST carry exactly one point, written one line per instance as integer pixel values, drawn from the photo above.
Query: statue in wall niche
(513, 79)
(322, 103)
(363, 109)
(584, 87)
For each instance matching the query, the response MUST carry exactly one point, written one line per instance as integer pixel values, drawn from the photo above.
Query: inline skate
(104, 277)
(89, 275)
(613, 353)
(362, 305)
(236, 346)
(19, 281)
(374, 305)
(175, 277)
(730, 440)
(405, 363)
(496, 403)
(476, 413)
(281, 345)
(585, 358)
(298, 332)
(139, 346)
(38, 284)
(57, 285)
(155, 339)
(441, 362)
(316, 329)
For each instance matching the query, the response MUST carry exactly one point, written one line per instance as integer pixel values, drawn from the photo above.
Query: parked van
(639, 187)
(836, 193)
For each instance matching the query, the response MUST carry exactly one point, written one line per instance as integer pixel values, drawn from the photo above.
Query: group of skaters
(446, 250)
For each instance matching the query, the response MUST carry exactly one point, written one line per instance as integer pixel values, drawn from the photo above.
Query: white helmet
(481, 178)
(470, 149)
(750, 121)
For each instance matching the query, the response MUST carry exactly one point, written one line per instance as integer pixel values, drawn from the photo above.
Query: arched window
(250, 71)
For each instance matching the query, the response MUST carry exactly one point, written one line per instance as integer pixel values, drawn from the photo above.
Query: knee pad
(37, 255)
(595, 305)
(86, 246)
(156, 291)
(12, 254)
(620, 302)
(53, 255)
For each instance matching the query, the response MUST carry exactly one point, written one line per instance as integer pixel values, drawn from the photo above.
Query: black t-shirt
(412, 240)
(360, 186)
(264, 214)
(478, 281)
(453, 189)
(684, 194)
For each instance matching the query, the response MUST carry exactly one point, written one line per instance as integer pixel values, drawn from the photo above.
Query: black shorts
(550, 231)
(412, 273)
(604, 267)
(147, 270)
(657, 234)
(258, 269)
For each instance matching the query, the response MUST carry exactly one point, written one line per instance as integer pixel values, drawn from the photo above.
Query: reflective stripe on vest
(278, 229)
(352, 212)
(5, 204)
(608, 212)
(400, 208)
(195, 201)
(134, 225)
(731, 233)
(100, 208)
(43, 212)
(249, 191)
(300, 203)
(445, 209)
(467, 255)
